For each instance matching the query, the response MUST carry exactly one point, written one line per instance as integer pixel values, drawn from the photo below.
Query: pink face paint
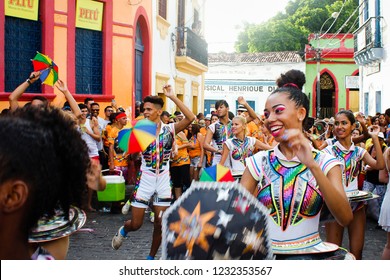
(279, 109)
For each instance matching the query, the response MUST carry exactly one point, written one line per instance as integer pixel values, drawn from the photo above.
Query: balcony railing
(192, 45)
(369, 35)
(368, 41)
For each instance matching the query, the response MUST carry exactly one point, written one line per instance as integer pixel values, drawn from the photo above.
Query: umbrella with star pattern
(216, 220)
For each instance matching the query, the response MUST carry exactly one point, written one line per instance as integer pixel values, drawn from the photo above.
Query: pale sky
(222, 17)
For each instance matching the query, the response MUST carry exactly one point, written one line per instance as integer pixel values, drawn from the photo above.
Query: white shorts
(195, 161)
(216, 158)
(150, 184)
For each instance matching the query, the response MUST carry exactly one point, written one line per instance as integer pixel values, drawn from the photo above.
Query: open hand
(300, 145)
(61, 86)
(168, 90)
(374, 129)
(360, 118)
(241, 100)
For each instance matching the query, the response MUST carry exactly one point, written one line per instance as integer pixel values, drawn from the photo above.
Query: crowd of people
(296, 166)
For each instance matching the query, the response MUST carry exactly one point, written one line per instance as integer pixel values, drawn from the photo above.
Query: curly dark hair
(42, 147)
(293, 76)
(292, 83)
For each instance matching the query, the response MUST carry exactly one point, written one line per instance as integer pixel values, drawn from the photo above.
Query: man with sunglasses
(95, 110)
(107, 113)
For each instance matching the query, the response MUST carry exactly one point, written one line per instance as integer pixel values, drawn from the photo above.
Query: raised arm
(69, 97)
(17, 93)
(379, 162)
(252, 114)
(189, 117)
(365, 133)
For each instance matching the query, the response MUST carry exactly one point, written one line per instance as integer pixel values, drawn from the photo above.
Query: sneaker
(151, 217)
(126, 208)
(117, 240)
(105, 210)
(149, 258)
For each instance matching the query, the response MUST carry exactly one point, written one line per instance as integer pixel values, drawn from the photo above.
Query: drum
(361, 196)
(355, 196)
(339, 254)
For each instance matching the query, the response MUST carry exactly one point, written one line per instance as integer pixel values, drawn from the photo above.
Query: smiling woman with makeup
(352, 156)
(240, 147)
(293, 180)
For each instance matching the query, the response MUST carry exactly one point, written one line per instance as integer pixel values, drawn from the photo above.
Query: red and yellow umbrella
(216, 173)
(47, 67)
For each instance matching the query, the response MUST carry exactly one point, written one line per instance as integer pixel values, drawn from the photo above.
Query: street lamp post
(318, 85)
(318, 59)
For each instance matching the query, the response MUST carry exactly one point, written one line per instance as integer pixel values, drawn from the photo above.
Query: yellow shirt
(120, 156)
(182, 157)
(252, 129)
(196, 151)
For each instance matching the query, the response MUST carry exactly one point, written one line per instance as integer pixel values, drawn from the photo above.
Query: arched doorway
(327, 96)
(139, 52)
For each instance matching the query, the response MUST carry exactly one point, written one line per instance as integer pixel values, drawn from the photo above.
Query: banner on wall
(27, 9)
(351, 81)
(89, 14)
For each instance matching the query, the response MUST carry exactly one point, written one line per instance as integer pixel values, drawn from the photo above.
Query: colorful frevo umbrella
(138, 137)
(123, 138)
(218, 221)
(47, 67)
(216, 173)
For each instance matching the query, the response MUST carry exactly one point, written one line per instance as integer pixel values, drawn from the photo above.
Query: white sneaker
(117, 240)
(151, 217)
(126, 208)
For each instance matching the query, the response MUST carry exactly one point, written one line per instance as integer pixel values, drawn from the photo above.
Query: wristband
(29, 82)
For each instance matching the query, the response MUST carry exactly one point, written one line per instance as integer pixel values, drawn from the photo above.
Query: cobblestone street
(93, 241)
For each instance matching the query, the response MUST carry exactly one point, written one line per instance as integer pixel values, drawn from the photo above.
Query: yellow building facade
(93, 43)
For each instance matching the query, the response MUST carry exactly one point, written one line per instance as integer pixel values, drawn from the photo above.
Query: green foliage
(289, 37)
(289, 31)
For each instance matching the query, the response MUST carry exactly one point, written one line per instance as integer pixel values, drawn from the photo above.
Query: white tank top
(91, 143)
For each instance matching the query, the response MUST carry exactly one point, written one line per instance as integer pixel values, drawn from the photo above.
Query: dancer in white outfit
(384, 216)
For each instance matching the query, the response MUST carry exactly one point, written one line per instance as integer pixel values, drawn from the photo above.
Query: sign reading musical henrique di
(239, 86)
(27, 9)
(254, 91)
(89, 14)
